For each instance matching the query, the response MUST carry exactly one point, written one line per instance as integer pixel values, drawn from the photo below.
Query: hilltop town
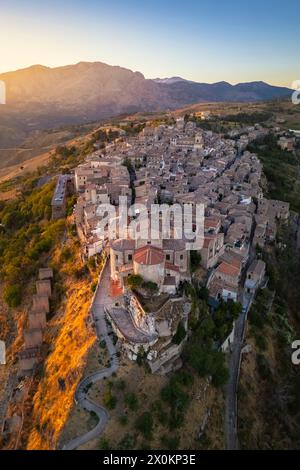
(180, 164)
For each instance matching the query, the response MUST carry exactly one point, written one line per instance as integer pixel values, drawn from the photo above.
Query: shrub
(128, 442)
(263, 367)
(175, 395)
(195, 260)
(144, 424)
(256, 319)
(170, 442)
(150, 285)
(131, 401)
(180, 334)
(208, 362)
(261, 342)
(134, 280)
(123, 420)
(120, 384)
(12, 295)
(104, 444)
(109, 400)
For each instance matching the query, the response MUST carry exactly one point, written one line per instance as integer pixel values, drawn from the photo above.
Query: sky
(200, 40)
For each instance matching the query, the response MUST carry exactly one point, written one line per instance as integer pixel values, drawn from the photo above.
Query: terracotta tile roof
(126, 267)
(211, 222)
(228, 269)
(232, 259)
(171, 267)
(149, 255)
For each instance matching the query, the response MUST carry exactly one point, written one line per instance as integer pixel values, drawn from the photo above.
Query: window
(129, 257)
(181, 257)
(168, 257)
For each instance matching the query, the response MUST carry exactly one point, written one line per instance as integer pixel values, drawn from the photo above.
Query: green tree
(144, 424)
(12, 295)
(131, 401)
(180, 334)
(134, 280)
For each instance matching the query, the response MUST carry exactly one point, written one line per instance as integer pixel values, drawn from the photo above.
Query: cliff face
(70, 341)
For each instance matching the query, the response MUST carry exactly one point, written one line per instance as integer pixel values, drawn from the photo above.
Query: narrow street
(231, 441)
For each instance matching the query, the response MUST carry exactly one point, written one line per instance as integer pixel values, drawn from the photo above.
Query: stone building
(40, 303)
(45, 273)
(255, 275)
(164, 262)
(150, 335)
(37, 319)
(59, 200)
(43, 287)
(28, 359)
(33, 337)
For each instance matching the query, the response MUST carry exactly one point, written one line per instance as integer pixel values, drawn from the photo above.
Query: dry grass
(147, 388)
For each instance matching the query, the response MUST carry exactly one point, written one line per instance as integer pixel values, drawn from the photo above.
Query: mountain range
(42, 97)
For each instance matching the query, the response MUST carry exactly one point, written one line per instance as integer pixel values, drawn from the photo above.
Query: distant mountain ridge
(42, 97)
(171, 80)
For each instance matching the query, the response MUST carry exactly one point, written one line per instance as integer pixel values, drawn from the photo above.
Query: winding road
(231, 440)
(102, 300)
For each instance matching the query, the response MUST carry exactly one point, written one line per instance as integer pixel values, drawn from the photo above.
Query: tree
(134, 280)
(152, 286)
(12, 295)
(144, 424)
(170, 442)
(208, 362)
(195, 261)
(131, 401)
(109, 400)
(180, 334)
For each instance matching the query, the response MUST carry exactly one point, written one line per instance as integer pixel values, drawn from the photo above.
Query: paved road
(101, 301)
(231, 388)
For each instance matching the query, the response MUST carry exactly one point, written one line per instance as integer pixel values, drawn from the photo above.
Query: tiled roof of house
(230, 257)
(228, 269)
(171, 267)
(211, 222)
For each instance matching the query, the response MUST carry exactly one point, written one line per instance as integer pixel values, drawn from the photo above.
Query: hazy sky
(202, 40)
